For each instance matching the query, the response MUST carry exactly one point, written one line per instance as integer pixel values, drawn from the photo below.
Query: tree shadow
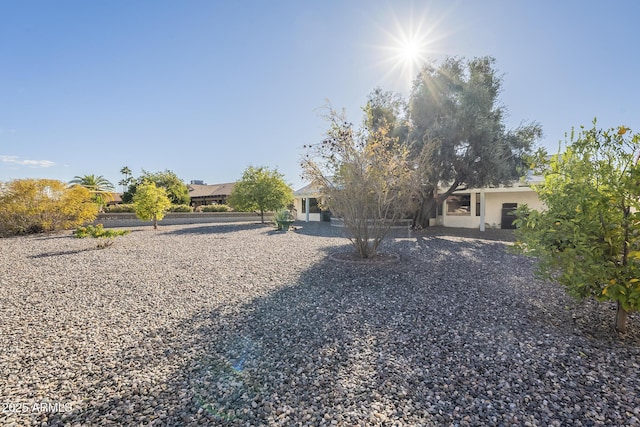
(216, 228)
(62, 253)
(445, 334)
(319, 228)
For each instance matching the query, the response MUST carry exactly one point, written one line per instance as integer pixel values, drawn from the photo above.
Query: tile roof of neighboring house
(116, 198)
(199, 190)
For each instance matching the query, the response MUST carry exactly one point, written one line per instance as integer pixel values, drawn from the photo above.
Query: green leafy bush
(180, 208)
(98, 231)
(213, 208)
(587, 239)
(121, 208)
(106, 236)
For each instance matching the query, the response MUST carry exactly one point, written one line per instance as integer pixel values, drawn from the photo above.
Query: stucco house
(488, 207)
(480, 208)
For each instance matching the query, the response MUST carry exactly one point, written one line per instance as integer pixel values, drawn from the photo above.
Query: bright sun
(406, 55)
(410, 51)
(408, 47)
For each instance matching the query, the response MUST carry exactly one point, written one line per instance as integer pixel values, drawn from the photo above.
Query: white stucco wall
(494, 201)
(301, 216)
(461, 221)
(493, 207)
(312, 216)
(297, 203)
(494, 198)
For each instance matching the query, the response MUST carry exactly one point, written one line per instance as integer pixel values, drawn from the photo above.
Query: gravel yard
(239, 325)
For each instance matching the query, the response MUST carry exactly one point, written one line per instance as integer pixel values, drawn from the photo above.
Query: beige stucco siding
(494, 201)
(297, 204)
(301, 216)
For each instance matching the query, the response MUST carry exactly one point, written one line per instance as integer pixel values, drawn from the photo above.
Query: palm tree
(100, 187)
(128, 178)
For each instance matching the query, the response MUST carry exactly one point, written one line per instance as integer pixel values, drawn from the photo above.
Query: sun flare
(410, 51)
(409, 45)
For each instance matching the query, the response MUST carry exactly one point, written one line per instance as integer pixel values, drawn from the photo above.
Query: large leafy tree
(100, 187)
(176, 189)
(389, 111)
(458, 135)
(365, 177)
(151, 203)
(588, 237)
(260, 189)
(39, 205)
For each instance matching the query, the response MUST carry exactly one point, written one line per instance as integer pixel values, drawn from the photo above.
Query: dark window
(459, 204)
(313, 205)
(477, 204)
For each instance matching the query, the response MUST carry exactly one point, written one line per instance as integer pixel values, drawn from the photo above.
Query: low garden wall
(110, 220)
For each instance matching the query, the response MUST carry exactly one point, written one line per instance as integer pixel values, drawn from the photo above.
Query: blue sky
(206, 88)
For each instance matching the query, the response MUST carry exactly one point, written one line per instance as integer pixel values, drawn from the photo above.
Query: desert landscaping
(238, 324)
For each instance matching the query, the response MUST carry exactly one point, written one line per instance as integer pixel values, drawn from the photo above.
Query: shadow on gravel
(217, 228)
(324, 229)
(61, 253)
(448, 336)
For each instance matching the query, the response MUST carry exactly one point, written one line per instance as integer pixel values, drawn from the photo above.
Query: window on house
(313, 205)
(477, 204)
(459, 204)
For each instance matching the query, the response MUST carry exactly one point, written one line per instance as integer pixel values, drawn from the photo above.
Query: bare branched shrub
(364, 177)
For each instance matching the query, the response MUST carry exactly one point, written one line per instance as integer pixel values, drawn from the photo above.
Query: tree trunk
(155, 222)
(430, 203)
(261, 216)
(423, 214)
(621, 319)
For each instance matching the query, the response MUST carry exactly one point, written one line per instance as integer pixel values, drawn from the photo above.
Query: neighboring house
(202, 194)
(306, 203)
(114, 199)
(489, 207)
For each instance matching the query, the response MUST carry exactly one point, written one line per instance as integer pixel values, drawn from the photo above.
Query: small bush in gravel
(99, 232)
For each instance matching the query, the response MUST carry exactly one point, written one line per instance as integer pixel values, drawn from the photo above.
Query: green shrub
(98, 231)
(180, 208)
(283, 215)
(214, 208)
(121, 208)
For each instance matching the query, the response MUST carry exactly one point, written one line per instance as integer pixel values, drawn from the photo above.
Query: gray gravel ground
(241, 325)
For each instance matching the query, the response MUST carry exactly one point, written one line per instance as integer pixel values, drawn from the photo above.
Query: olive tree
(458, 134)
(151, 203)
(365, 178)
(587, 238)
